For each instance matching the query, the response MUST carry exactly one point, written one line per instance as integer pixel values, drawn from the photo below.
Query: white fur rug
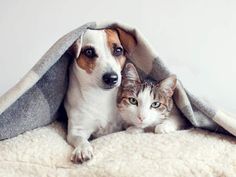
(44, 152)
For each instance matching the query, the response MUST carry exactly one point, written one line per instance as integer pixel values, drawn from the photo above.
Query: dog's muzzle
(110, 80)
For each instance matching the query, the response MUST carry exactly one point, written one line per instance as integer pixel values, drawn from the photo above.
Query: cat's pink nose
(140, 118)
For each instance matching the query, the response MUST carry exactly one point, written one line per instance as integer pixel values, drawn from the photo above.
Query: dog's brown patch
(127, 39)
(113, 40)
(86, 63)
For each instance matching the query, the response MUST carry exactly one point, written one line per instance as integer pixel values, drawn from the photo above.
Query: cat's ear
(168, 85)
(130, 73)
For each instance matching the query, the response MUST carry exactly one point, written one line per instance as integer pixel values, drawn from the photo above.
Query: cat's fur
(148, 104)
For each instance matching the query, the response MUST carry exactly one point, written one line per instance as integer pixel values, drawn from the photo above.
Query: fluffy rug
(45, 152)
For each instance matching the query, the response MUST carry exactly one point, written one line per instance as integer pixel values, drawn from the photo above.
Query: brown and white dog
(95, 75)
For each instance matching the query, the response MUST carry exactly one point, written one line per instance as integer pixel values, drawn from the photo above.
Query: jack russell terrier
(95, 76)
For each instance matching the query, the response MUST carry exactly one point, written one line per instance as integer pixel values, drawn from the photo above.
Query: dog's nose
(110, 78)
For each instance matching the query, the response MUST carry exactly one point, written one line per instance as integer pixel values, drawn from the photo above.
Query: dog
(94, 78)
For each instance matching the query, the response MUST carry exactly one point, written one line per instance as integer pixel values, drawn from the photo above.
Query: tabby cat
(148, 105)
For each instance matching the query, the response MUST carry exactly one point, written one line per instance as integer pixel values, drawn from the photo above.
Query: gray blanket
(37, 99)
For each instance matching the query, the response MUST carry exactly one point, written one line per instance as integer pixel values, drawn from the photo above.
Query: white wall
(197, 39)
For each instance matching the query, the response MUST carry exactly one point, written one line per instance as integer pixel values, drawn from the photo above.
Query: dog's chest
(104, 128)
(105, 120)
(100, 111)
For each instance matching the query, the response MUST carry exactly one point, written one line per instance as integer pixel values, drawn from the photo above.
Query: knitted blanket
(37, 99)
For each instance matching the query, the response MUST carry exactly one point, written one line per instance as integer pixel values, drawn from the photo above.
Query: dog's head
(101, 56)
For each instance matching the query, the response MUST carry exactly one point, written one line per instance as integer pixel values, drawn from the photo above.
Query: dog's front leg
(83, 149)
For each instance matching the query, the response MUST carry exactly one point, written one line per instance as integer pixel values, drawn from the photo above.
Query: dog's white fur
(91, 109)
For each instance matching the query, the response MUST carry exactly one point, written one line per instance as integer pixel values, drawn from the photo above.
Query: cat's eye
(118, 51)
(155, 104)
(133, 101)
(90, 52)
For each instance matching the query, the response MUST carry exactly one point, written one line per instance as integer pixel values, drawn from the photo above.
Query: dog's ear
(127, 39)
(75, 48)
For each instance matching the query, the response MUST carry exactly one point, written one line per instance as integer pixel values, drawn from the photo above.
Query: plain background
(196, 39)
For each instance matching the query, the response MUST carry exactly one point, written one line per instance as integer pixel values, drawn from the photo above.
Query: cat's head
(144, 104)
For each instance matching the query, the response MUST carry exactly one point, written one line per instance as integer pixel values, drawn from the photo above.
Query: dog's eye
(133, 101)
(89, 52)
(118, 51)
(155, 104)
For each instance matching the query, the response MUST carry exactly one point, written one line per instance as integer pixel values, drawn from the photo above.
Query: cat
(148, 105)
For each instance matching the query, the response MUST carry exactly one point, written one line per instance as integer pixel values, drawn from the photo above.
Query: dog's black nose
(110, 78)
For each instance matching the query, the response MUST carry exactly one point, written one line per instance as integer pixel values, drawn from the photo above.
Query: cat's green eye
(133, 101)
(155, 104)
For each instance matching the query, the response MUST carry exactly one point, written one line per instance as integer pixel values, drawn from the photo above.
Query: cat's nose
(140, 118)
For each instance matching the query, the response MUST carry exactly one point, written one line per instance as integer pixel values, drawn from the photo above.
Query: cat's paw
(165, 127)
(134, 130)
(82, 153)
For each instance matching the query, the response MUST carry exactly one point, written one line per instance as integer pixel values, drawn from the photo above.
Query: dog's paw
(134, 130)
(82, 153)
(165, 127)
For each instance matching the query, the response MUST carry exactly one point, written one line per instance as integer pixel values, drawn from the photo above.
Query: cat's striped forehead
(136, 88)
(147, 87)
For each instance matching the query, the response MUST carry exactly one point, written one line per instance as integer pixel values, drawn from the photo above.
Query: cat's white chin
(141, 125)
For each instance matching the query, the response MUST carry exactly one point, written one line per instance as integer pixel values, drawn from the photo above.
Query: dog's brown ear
(74, 49)
(127, 39)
